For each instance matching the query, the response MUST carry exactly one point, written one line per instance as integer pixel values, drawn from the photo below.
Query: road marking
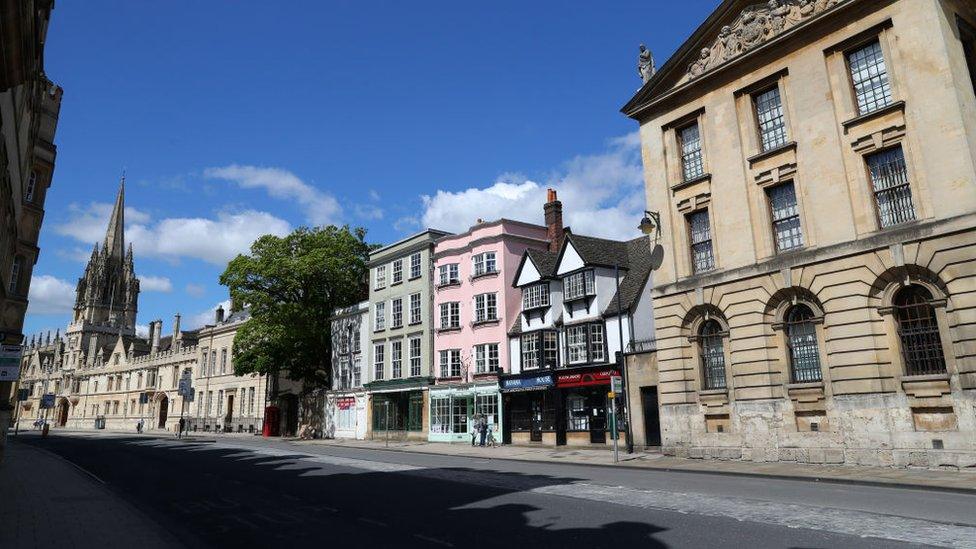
(434, 540)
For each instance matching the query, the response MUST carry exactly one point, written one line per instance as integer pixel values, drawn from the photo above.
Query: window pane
(712, 355)
(691, 154)
(870, 78)
(701, 242)
(918, 330)
(892, 191)
(769, 113)
(802, 337)
(786, 217)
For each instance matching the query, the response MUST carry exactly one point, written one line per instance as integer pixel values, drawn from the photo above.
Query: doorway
(229, 418)
(62, 413)
(163, 412)
(652, 416)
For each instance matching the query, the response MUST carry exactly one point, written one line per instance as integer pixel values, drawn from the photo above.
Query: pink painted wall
(509, 240)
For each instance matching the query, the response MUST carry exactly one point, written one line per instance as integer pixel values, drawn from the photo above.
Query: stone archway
(163, 411)
(61, 419)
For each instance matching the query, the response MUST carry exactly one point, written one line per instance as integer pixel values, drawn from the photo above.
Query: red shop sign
(346, 403)
(601, 377)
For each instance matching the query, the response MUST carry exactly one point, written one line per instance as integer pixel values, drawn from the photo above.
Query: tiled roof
(601, 251)
(544, 261)
(638, 262)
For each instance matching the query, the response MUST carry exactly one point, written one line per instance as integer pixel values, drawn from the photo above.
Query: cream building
(813, 166)
(100, 374)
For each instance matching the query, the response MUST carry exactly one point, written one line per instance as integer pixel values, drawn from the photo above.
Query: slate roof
(544, 261)
(601, 251)
(638, 262)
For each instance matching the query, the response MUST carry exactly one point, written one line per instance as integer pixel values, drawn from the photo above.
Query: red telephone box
(272, 422)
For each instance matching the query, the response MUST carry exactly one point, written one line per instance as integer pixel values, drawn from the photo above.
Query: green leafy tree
(292, 284)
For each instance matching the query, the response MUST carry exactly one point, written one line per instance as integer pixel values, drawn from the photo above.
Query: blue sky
(238, 118)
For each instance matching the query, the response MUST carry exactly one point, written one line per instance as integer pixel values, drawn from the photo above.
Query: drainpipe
(623, 360)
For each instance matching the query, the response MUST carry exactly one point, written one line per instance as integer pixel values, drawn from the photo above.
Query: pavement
(952, 480)
(251, 492)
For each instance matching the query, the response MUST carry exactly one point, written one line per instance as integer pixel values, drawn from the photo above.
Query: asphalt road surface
(258, 493)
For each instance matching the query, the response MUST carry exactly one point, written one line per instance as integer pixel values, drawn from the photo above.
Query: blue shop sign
(526, 383)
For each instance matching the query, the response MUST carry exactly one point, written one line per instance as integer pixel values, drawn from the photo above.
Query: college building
(812, 163)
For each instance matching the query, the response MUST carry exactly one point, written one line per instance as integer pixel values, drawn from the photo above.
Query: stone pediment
(755, 25)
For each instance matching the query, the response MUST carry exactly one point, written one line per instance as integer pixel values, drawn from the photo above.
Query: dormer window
(579, 285)
(535, 296)
(484, 263)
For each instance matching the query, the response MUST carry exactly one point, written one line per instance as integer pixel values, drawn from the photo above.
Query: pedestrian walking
(484, 432)
(182, 427)
(139, 426)
(475, 428)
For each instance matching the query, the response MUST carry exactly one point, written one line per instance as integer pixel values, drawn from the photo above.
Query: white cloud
(142, 330)
(320, 208)
(602, 195)
(195, 290)
(212, 240)
(203, 318)
(89, 222)
(50, 295)
(149, 283)
(368, 211)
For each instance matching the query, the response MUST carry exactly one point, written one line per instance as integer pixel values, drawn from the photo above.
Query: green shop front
(453, 409)
(397, 408)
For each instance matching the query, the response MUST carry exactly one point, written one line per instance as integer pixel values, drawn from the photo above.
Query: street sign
(616, 384)
(47, 401)
(10, 362)
(186, 385)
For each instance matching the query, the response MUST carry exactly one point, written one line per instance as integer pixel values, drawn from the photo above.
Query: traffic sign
(47, 401)
(10, 362)
(186, 385)
(616, 384)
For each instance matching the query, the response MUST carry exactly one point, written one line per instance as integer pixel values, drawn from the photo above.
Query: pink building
(475, 303)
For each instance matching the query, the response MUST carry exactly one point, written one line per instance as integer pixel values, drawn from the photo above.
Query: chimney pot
(553, 210)
(219, 315)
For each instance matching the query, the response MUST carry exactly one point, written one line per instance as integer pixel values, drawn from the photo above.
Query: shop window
(702, 258)
(769, 116)
(459, 419)
(785, 216)
(892, 192)
(918, 329)
(577, 418)
(692, 163)
(712, 351)
(440, 415)
(869, 76)
(801, 335)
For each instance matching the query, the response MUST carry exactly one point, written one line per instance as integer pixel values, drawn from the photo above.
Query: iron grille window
(692, 164)
(712, 355)
(801, 334)
(397, 271)
(918, 329)
(870, 78)
(892, 192)
(769, 114)
(415, 265)
(379, 361)
(396, 359)
(701, 242)
(786, 217)
(396, 311)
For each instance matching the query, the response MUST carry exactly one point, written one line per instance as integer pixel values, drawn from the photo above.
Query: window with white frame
(530, 351)
(356, 341)
(597, 343)
(869, 75)
(357, 371)
(250, 400)
(379, 320)
(396, 313)
(448, 274)
(577, 416)
(415, 270)
(450, 360)
(450, 315)
(485, 358)
(535, 296)
(892, 190)
(485, 307)
(396, 359)
(786, 216)
(440, 415)
(769, 115)
(414, 356)
(380, 277)
(576, 344)
(414, 308)
(585, 343)
(379, 361)
(700, 231)
(483, 263)
(223, 361)
(578, 285)
(397, 271)
(540, 349)
(692, 163)
(550, 349)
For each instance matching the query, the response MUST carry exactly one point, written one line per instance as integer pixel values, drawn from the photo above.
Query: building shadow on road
(239, 497)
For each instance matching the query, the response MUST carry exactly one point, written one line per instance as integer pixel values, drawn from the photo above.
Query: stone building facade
(813, 166)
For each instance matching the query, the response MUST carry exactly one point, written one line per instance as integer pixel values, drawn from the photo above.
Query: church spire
(115, 235)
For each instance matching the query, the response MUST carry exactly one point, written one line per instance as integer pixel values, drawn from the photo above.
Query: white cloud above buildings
(602, 195)
(320, 208)
(50, 295)
(148, 283)
(203, 318)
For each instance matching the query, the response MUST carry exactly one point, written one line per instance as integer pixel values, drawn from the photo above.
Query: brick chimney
(554, 220)
(219, 314)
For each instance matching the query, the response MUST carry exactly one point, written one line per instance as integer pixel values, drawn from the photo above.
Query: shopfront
(585, 405)
(529, 406)
(345, 415)
(398, 408)
(453, 409)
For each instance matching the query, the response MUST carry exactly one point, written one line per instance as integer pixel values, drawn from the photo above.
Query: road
(259, 493)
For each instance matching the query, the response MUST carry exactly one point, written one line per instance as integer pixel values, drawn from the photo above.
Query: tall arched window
(712, 355)
(801, 336)
(918, 329)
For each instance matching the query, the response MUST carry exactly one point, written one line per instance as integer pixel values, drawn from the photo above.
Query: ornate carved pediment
(757, 24)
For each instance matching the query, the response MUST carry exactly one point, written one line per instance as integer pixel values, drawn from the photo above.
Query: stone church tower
(107, 294)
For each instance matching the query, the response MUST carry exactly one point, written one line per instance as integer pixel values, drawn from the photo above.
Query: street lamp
(651, 223)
